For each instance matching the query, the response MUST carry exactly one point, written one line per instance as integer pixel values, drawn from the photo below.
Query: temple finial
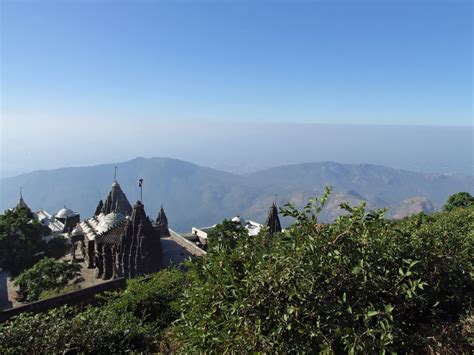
(21, 192)
(140, 185)
(115, 173)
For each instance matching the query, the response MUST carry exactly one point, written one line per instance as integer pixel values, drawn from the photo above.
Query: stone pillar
(90, 256)
(118, 263)
(132, 261)
(99, 258)
(114, 261)
(108, 263)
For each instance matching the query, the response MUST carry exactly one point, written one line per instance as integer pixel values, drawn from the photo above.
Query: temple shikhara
(121, 241)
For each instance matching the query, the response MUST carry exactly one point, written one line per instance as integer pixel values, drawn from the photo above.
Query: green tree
(46, 275)
(460, 199)
(21, 240)
(225, 235)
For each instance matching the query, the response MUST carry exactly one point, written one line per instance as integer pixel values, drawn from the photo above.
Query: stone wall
(79, 297)
(186, 244)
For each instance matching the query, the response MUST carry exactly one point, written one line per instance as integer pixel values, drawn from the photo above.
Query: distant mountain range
(193, 195)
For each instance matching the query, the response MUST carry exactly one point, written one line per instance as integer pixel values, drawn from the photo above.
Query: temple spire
(162, 219)
(99, 207)
(22, 204)
(273, 221)
(162, 223)
(116, 201)
(115, 173)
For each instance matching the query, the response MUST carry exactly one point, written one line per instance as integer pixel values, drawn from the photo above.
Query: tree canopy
(21, 240)
(459, 200)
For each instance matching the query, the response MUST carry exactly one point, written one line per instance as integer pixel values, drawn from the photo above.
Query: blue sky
(343, 62)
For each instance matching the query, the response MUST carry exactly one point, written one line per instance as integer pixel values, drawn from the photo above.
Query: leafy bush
(361, 284)
(130, 320)
(46, 275)
(57, 247)
(459, 200)
(64, 330)
(59, 291)
(225, 235)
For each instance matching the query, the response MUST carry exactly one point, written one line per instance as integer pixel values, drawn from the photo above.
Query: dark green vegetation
(225, 235)
(47, 277)
(21, 243)
(460, 199)
(134, 319)
(362, 284)
(214, 195)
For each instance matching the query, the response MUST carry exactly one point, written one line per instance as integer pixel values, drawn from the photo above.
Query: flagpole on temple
(115, 173)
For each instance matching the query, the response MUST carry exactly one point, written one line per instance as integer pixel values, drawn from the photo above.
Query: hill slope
(196, 196)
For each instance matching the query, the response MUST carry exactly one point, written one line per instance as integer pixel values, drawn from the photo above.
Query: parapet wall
(186, 244)
(79, 297)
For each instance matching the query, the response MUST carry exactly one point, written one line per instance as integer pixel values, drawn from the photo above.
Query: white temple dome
(237, 219)
(77, 230)
(65, 213)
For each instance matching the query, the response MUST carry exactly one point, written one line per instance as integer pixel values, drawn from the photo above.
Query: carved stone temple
(273, 221)
(121, 241)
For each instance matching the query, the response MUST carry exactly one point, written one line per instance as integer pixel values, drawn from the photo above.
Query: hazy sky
(69, 67)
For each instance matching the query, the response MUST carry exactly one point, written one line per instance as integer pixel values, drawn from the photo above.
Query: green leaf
(372, 313)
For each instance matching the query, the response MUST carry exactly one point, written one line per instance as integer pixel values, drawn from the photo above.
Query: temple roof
(117, 201)
(273, 221)
(138, 224)
(101, 224)
(65, 213)
(139, 216)
(114, 235)
(162, 220)
(99, 207)
(50, 221)
(21, 203)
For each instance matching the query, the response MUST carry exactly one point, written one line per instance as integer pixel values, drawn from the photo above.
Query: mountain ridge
(195, 195)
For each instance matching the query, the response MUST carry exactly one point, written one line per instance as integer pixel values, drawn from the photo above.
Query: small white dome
(65, 213)
(77, 230)
(237, 219)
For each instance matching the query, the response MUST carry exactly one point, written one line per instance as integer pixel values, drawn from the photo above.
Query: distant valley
(193, 195)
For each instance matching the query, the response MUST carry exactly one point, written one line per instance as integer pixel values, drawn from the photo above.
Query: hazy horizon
(243, 148)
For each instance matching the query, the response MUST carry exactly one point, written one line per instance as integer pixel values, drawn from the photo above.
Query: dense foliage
(361, 284)
(459, 200)
(46, 275)
(21, 241)
(134, 319)
(225, 235)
